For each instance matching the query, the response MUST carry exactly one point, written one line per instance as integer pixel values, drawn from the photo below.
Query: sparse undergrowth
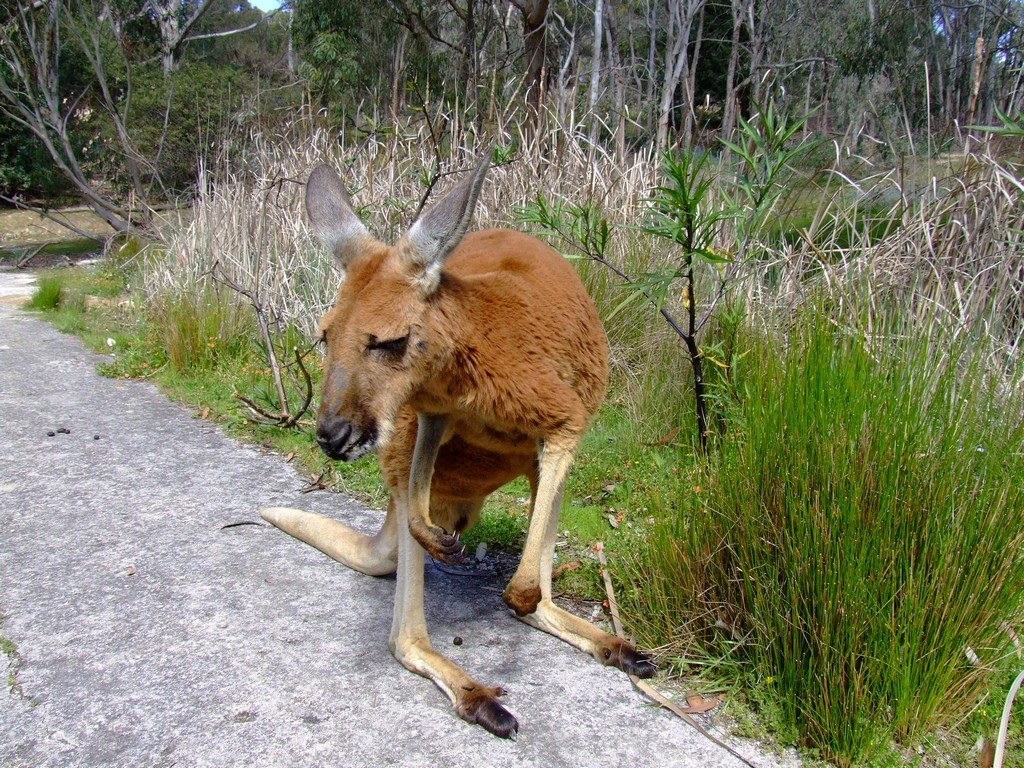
(9, 651)
(857, 539)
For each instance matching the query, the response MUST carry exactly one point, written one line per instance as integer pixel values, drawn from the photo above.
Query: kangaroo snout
(340, 439)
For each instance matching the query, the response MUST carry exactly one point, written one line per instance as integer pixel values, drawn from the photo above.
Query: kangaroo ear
(437, 232)
(333, 220)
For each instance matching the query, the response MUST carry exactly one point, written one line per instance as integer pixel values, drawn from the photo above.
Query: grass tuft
(201, 331)
(860, 529)
(48, 295)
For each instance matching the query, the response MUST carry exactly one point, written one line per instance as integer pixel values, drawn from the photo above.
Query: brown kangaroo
(464, 361)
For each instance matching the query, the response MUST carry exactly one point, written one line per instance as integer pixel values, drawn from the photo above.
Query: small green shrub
(497, 528)
(860, 527)
(48, 295)
(201, 330)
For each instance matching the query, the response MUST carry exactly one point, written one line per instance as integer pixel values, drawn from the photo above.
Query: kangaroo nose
(332, 435)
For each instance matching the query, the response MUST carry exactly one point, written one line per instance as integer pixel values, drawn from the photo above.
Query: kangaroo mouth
(353, 445)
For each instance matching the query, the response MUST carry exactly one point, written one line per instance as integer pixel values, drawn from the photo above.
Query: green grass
(202, 332)
(7, 647)
(48, 294)
(861, 525)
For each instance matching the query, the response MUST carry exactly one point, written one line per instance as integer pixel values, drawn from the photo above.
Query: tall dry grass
(954, 243)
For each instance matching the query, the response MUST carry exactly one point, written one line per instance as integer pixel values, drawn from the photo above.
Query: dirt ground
(25, 228)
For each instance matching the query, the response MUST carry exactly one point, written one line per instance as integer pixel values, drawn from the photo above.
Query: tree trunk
(729, 109)
(396, 75)
(681, 16)
(535, 13)
(691, 84)
(168, 22)
(651, 64)
(668, 82)
(595, 70)
(619, 76)
(291, 44)
(467, 66)
(755, 32)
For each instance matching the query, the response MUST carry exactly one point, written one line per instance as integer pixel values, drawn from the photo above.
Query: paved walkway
(148, 635)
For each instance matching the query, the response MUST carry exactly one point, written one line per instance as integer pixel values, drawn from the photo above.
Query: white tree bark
(595, 70)
(680, 23)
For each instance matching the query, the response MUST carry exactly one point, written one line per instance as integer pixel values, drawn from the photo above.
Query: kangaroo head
(381, 338)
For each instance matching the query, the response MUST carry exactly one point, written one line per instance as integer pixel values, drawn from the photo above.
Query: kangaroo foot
(623, 655)
(521, 597)
(479, 704)
(438, 543)
(609, 650)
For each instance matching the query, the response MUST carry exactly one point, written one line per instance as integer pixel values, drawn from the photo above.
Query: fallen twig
(644, 687)
(316, 483)
(240, 523)
(29, 254)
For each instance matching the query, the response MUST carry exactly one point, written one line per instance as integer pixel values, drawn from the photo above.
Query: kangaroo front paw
(627, 658)
(480, 705)
(438, 543)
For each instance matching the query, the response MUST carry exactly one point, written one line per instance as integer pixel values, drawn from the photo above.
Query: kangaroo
(464, 362)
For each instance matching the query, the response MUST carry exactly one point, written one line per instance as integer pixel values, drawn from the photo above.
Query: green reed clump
(860, 527)
(48, 294)
(202, 329)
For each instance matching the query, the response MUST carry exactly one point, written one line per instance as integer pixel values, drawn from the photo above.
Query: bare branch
(227, 32)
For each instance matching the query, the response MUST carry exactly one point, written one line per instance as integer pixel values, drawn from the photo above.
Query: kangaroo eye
(393, 348)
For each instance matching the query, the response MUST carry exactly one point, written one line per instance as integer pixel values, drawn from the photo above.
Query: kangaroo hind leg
(410, 644)
(529, 591)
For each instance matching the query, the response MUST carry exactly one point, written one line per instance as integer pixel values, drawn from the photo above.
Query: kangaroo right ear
(437, 232)
(333, 220)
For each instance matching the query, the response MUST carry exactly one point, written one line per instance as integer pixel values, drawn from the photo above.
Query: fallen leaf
(316, 482)
(612, 521)
(204, 412)
(131, 570)
(699, 704)
(565, 568)
(290, 456)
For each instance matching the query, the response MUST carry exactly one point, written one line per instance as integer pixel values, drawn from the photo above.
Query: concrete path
(148, 635)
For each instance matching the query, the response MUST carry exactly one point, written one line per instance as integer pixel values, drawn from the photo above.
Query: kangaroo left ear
(437, 232)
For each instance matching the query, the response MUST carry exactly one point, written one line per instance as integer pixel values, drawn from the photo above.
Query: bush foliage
(859, 529)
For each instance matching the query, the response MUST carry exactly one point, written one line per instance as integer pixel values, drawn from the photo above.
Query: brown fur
(507, 383)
